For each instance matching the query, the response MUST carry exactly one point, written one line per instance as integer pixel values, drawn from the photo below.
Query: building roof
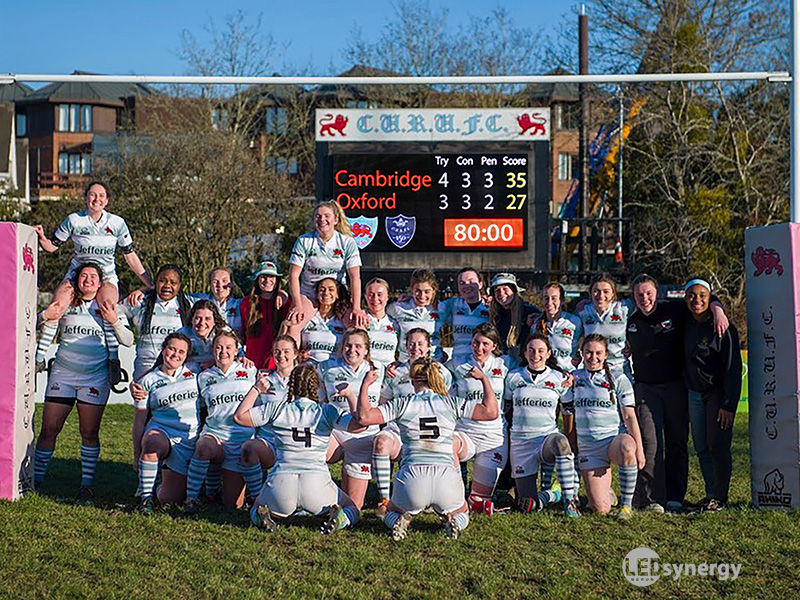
(548, 93)
(89, 91)
(14, 91)
(354, 90)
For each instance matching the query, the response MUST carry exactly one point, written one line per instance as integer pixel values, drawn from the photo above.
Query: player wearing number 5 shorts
(221, 388)
(485, 441)
(301, 427)
(427, 420)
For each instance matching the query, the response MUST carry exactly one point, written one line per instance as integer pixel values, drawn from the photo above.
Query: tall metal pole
(583, 149)
(794, 99)
(619, 160)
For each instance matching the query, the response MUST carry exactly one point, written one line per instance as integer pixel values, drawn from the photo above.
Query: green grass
(51, 548)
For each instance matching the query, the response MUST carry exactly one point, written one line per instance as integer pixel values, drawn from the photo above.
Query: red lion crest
(27, 259)
(241, 373)
(531, 122)
(330, 124)
(766, 260)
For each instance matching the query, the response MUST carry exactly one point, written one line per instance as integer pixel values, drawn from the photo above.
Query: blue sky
(141, 37)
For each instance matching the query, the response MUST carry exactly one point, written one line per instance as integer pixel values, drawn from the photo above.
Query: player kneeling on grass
(602, 403)
(535, 392)
(171, 432)
(258, 454)
(302, 427)
(221, 389)
(427, 420)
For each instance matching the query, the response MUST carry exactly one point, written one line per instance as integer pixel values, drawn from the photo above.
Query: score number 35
(515, 180)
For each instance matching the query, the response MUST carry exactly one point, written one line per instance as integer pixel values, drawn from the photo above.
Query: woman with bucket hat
(509, 313)
(262, 314)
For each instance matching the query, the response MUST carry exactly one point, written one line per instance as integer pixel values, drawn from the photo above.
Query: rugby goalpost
(772, 262)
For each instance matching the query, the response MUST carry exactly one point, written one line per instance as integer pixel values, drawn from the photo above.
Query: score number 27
(515, 180)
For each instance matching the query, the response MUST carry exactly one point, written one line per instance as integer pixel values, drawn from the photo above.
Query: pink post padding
(8, 357)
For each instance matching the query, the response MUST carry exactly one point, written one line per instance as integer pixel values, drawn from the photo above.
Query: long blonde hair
(426, 371)
(343, 224)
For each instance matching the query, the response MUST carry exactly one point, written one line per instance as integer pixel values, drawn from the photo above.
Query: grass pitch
(51, 548)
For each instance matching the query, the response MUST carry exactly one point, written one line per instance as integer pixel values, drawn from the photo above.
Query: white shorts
(357, 461)
(488, 451)
(64, 385)
(232, 450)
(181, 448)
(417, 487)
(526, 455)
(594, 455)
(393, 431)
(285, 493)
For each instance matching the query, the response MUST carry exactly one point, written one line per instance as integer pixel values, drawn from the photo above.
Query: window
(220, 119)
(569, 115)
(281, 164)
(275, 119)
(567, 166)
(74, 164)
(22, 124)
(74, 117)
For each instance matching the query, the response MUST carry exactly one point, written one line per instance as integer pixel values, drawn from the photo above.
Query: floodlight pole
(794, 101)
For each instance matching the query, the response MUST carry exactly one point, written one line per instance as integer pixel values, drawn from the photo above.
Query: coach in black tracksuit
(656, 338)
(713, 376)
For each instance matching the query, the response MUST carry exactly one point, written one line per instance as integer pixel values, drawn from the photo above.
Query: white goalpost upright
(772, 261)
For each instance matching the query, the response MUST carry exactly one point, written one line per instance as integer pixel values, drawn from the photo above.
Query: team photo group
(247, 401)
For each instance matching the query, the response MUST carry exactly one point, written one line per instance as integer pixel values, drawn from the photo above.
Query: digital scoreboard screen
(434, 202)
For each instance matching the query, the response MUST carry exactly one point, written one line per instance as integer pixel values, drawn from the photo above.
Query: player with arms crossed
(302, 427)
(427, 421)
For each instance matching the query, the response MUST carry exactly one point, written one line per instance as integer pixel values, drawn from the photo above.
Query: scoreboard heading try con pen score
(434, 202)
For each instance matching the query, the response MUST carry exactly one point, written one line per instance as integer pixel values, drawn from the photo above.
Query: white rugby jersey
(564, 335)
(612, 325)
(426, 421)
(400, 385)
(172, 401)
(201, 348)
(384, 336)
(95, 241)
(222, 393)
(335, 372)
(166, 319)
(278, 390)
(456, 311)
(82, 347)
(320, 259)
(467, 389)
(231, 313)
(409, 316)
(301, 430)
(321, 337)
(596, 416)
(535, 399)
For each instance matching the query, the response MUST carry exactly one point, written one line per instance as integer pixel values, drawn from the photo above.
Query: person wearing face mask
(509, 313)
(261, 315)
(713, 375)
(655, 333)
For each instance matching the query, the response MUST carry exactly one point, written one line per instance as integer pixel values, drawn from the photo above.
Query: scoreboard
(430, 202)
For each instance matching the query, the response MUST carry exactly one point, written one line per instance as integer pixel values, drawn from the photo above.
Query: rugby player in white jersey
(483, 441)
(465, 312)
(563, 330)
(301, 429)
(95, 234)
(220, 282)
(535, 392)
(604, 427)
(80, 373)
(397, 384)
(383, 330)
(258, 454)
(328, 251)
(421, 310)
(319, 337)
(168, 438)
(427, 420)
(205, 323)
(221, 388)
(341, 381)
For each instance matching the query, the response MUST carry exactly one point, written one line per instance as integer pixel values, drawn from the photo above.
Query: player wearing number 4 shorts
(300, 479)
(427, 420)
